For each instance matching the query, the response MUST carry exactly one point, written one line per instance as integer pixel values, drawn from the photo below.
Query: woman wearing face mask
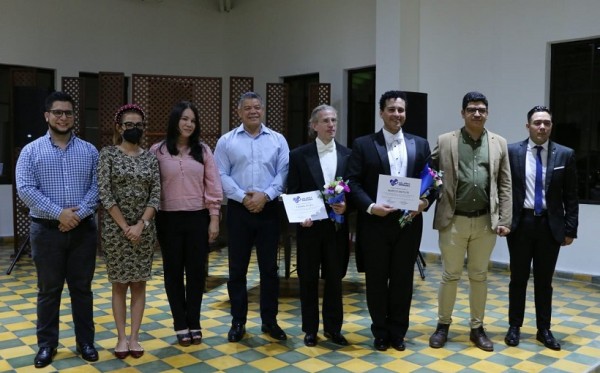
(129, 184)
(188, 218)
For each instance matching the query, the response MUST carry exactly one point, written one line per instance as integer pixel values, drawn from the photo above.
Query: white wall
(501, 49)
(445, 48)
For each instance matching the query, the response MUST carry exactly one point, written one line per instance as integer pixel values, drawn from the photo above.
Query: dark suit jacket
(305, 175)
(561, 188)
(368, 160)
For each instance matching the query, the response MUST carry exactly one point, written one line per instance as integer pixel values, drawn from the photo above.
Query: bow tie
(394, 140)
(325, 148)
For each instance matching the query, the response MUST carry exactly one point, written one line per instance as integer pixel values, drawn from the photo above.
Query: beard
(58, 131)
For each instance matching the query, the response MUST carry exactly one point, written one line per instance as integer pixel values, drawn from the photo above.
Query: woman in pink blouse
(188, 216)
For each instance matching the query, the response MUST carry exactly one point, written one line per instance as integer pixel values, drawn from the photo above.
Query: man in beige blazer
(474, 206)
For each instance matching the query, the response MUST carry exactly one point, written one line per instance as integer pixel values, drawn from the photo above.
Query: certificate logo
(297, 199)
(393, 182)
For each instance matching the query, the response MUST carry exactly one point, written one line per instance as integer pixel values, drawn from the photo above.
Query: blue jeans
(59, 256)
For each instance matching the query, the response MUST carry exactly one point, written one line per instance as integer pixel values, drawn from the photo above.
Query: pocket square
(559, 167)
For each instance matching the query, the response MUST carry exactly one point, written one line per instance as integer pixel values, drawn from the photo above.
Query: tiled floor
(576, 324)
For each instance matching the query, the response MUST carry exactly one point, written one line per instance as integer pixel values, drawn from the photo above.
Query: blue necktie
(539, 187)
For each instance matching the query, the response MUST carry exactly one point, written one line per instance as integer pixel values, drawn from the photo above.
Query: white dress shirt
(328, 159)
(530, 174)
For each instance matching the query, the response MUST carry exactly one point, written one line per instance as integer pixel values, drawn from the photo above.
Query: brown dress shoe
(481, 340)
(440, 336)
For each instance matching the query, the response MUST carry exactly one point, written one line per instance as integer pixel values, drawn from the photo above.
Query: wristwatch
(146, 223)
(267, 197)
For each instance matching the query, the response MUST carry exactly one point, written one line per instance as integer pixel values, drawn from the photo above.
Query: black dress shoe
(236, 333)
(337, 338)
(381, 344)
(439, 338)
(44, 357)
(274, 331)
(545, 336)
(88, 351)
(310, 339)
(481, 340)
(512, 336)
(398, 344)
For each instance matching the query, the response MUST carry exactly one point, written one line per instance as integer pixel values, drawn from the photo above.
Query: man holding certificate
(320, 244)
(388, 251)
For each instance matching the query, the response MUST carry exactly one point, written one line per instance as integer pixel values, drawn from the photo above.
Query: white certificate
(302, 206)
(399, 192)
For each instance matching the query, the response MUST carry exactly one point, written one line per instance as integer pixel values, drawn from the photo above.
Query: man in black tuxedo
(388, 251)
(543, 221)
(320, 245)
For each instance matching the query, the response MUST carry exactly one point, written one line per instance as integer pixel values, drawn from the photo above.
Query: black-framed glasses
(473, 110)
(130, 125)
(59, 113)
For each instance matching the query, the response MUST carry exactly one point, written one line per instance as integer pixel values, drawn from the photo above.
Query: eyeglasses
(473, 110)
(59, 113)
(130, 125)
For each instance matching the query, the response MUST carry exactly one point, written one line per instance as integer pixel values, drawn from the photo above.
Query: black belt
(532, 212)
(51, 223)
(472, 214)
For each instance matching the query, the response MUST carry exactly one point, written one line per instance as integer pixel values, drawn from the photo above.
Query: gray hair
(249, 96)
(314, 117)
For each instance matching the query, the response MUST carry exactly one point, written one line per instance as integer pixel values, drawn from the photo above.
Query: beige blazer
(445, 157)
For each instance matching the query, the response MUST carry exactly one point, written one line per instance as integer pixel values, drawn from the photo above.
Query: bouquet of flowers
(431, 180)
(333, 192)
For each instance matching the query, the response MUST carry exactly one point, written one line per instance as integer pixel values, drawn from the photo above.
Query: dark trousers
(246, 230)
(390, 253)
(532, 241)
(321, 247)
(61, 257)
(183, 239)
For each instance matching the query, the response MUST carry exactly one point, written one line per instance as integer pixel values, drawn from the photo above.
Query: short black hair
(537, 109)
(391, 95)
(474, 97)
(57, 96)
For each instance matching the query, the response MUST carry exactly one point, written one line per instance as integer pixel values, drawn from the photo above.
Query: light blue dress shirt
(50, 179)
(249, 163)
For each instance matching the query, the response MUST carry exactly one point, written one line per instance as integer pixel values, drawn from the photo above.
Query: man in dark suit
(543, 220)
(389, 252)
(319, 244)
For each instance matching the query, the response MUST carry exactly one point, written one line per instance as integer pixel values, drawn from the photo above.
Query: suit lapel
(340, 168)
(522, 162)
(411, 155)
(314, 165)
(550, 164)
(379, 142)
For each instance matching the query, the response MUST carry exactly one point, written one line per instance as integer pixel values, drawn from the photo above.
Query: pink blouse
(186, 184)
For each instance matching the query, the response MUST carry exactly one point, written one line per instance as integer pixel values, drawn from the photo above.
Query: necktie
(539, 187)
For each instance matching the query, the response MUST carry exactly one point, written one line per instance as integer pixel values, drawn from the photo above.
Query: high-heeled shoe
(196, 336)
(184, 339)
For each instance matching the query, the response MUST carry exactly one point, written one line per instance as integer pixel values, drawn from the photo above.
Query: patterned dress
(132, 183)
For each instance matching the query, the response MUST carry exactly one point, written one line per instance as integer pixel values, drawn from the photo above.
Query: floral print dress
(132, 183)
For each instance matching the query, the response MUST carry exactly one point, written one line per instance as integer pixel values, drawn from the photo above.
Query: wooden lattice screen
(75, 87)
(110, 98)
(318, 94)
(21, 220)
(158, 93)
(237, 87)
(276, 107)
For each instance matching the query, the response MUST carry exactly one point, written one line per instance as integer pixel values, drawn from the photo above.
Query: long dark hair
(196, 148)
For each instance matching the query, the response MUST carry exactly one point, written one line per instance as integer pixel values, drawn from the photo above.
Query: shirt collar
(532, 145)
(324, 148)
(390, 137)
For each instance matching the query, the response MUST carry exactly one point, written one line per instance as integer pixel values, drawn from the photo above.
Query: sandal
(121, 354)
(184, 339)
(196, 336)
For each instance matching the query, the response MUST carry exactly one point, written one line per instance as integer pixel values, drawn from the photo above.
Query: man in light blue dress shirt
(253, 164)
